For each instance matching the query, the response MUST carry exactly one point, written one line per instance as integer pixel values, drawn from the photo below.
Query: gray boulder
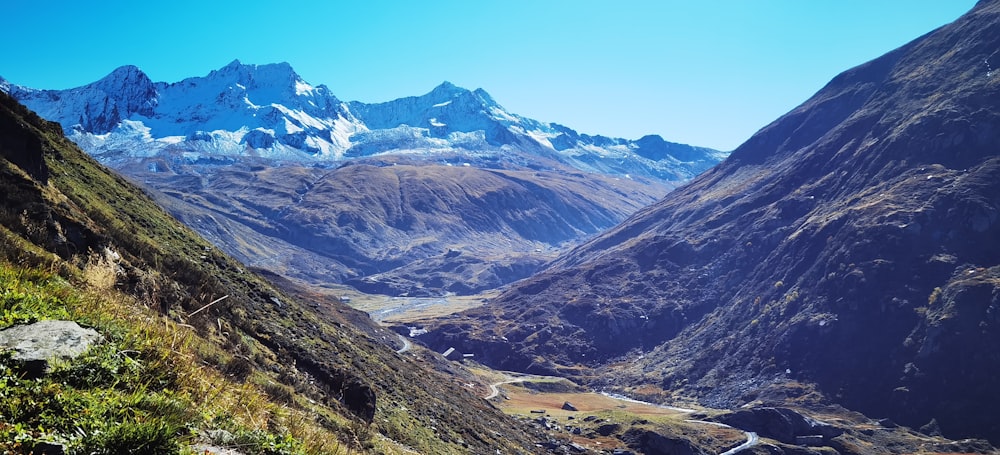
(35, 345)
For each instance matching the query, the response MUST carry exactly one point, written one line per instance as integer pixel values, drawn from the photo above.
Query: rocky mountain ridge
(268, 111)
(845, 253)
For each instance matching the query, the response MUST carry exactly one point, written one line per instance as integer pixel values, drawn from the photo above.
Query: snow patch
(302, 88)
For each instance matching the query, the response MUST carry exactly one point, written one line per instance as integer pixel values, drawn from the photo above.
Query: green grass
(144, 390)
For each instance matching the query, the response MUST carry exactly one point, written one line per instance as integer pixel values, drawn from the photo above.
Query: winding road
(494, 388)
(752, 440)
(407, 345)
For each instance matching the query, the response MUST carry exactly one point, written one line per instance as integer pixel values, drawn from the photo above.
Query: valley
(436, 274)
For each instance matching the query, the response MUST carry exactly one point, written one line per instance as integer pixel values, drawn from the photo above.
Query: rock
(35, 345)
(782, 424)
(22, 147)
(608, 429)
(214, 450)
(548, 445)
(931, 428)
(652, 443)
(359, 398)
(49, 448)
(567, 406)
(887, 423)
(811, 440)
(220, 436)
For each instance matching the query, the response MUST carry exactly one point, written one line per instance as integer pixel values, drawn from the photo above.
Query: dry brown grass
(606, 409)
(522, 401)
(102, 270)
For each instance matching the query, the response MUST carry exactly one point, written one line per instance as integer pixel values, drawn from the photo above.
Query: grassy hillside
(196, 343)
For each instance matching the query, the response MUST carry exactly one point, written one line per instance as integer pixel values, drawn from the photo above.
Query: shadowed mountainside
(851, 245)
(392, 226)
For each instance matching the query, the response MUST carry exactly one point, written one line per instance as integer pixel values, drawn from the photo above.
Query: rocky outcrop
(781, 424)
(20, 145)
(36, 345)
(652, 443)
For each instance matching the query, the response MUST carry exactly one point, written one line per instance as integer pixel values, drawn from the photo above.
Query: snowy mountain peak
(269, 111)
(97, 107)
(127, 74)
(447, 90)
(279, 74)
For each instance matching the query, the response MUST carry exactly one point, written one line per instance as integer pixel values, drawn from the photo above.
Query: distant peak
(127, 69)
(447, 88)
(127, 75)
(126, 72)
(251, 74)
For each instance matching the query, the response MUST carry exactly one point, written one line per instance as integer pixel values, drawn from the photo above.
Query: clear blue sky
(707, 73)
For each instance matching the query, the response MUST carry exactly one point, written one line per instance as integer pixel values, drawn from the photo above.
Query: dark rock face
(782, 424)
(652, 443)
(360, 400)
(35, 345)
(20, 145)
(608, 429)
(53, 227)
(852, 244)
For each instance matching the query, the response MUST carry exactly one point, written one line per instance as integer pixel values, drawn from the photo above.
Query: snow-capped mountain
(268, 111)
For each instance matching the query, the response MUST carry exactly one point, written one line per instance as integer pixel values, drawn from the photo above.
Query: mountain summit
(850, 247)
(268, 111)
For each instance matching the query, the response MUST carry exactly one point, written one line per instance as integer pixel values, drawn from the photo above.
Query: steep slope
(851, 245)
(392, 226)
(307, 357)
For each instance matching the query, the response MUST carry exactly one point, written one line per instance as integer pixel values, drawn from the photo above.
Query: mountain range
(848, 252)
(426, 195)
(268, 111)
